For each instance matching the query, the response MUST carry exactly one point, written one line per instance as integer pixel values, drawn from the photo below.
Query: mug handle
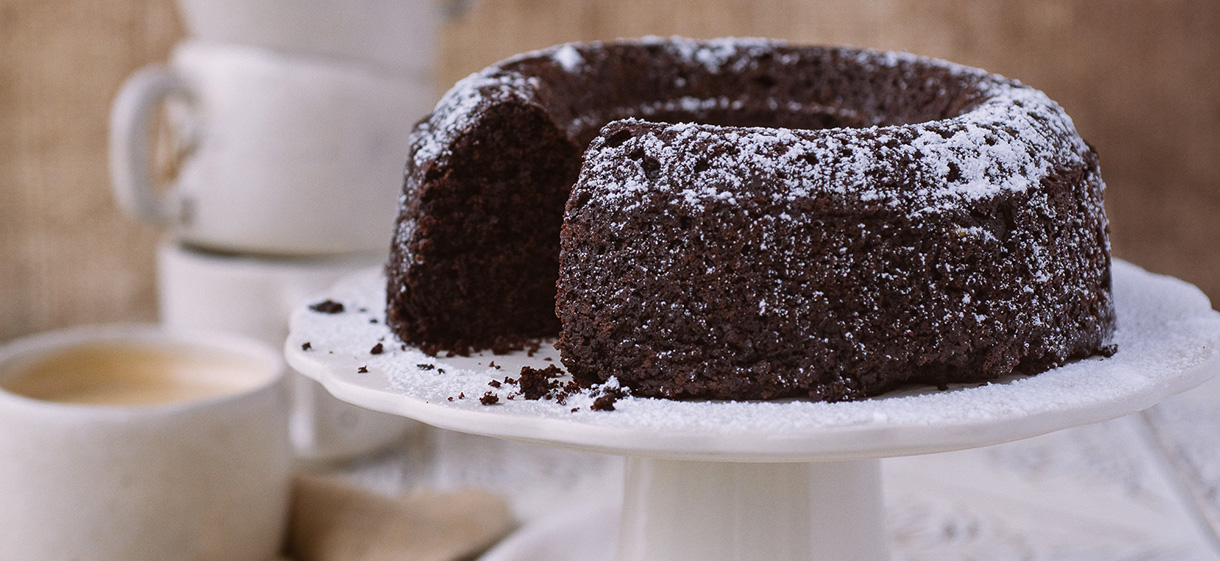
(131, 144)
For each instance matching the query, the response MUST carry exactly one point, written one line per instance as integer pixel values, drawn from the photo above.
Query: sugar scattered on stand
(1165, 327)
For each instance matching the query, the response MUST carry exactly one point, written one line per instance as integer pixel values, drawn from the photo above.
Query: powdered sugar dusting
(974, 157)
(1167, 341)
(713, 54)
(996, 146)
(568, 57)
(458, 108)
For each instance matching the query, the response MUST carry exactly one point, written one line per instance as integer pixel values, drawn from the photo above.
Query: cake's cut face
(753, 220)
(478, 238)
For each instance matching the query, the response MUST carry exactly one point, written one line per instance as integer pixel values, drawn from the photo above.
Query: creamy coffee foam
(131, 374)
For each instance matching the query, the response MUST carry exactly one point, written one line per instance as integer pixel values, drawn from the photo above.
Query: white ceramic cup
(139, 443)
(395, 34)
(254, 296)
(281, 154)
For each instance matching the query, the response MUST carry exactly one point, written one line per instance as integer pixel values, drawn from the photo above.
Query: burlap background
(1139, 77)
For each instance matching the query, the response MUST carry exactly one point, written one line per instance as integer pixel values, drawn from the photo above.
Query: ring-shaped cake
(749, 219)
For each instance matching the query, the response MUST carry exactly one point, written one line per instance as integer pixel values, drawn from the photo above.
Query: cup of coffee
(279, 154)
(254, 296)
(140, 443)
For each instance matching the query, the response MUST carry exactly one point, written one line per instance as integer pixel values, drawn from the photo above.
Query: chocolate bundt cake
(753, 220)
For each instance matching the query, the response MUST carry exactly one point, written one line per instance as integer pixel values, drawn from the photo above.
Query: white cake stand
(783, 481)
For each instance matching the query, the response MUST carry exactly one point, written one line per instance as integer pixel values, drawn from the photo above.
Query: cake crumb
(604, 403)
(610, 392)
(489, 398)
(537, 384)
(362, 370)
(327, 307)
(377, 349)
(307, 346)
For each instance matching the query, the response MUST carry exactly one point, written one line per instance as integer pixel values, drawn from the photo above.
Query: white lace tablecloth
(1139, 488)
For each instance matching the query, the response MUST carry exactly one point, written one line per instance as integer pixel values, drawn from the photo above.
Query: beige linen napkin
(335, 521)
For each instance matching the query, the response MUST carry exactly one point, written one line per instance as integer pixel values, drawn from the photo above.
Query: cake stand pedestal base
(677, 510)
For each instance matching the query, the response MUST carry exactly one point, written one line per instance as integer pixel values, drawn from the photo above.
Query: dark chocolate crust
(729, 287)
(841, 222)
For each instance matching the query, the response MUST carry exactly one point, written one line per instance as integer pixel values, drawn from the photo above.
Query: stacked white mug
(291, 118)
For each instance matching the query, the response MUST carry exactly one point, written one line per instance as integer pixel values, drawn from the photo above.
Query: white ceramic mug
(282, 154)
(254, 296)
(139, 443)
(394, 34)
